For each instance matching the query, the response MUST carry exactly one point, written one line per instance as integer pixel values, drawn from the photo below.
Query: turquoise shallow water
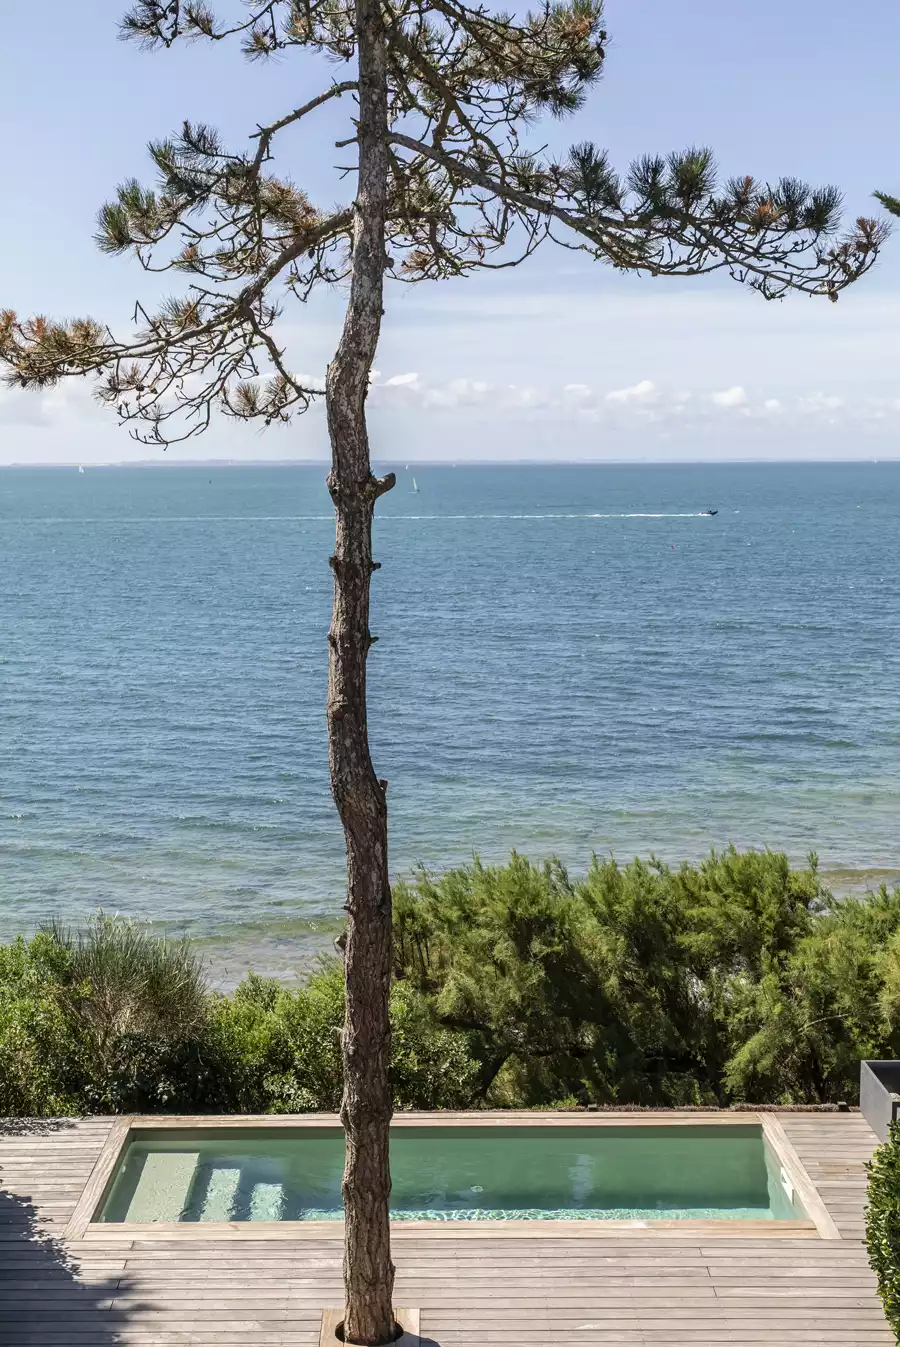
(570, 658)
(457, 1174)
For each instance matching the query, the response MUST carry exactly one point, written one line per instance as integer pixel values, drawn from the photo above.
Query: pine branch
(192, 355)
(266, 133)
(890, 203)
(464, 192)
(772, 240)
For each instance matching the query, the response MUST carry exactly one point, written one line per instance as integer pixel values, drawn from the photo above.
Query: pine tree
(440, 96)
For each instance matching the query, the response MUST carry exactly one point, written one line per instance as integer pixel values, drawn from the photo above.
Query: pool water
(485, 1173)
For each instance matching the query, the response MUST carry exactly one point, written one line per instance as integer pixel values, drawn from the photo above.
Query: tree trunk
(359, 795)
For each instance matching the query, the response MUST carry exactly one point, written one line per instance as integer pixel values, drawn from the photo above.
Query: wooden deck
(644, 1289)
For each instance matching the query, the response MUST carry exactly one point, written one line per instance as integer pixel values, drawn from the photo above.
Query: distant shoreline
(186, 463)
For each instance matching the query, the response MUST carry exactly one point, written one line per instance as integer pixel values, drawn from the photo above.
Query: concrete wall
(879, 1095)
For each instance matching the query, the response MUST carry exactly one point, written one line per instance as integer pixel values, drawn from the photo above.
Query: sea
(570, 660)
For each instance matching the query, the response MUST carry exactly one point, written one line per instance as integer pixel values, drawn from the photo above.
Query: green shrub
(285, 1054)
(883, 1224)
(431, 1067)
(137, 1005)
(283, 1046)
(514, 985)
(39, 1076)
(111, 1019)
(736, 979)
(799, 1032)
(115, 1019)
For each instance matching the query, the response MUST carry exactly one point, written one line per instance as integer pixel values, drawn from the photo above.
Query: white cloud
(645, 391)
(636, 409)
(458, 393)
(730, 397)
(818, 403)
(529, 397)
(463, 393)
(403, 381)
(524, 355)
(314, 381)
(830, 410)
(69, 403)
(480, 417)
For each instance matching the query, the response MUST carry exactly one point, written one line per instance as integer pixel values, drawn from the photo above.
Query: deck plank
(474, 1289)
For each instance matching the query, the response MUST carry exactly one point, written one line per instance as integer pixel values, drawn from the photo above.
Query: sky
(559, 359)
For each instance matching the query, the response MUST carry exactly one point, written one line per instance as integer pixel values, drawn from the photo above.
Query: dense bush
(883, 1224)
(117, 1020)
(38, 1047)
(110, 1020)
(739, 979)
(283, 1051)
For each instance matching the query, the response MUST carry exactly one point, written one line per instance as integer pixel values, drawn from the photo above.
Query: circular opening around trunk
(395, 1336)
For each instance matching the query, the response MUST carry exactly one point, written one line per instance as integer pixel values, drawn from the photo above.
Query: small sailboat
(80, 468)
(415, 486)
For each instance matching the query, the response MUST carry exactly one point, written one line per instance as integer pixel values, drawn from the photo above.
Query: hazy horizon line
(180, 464)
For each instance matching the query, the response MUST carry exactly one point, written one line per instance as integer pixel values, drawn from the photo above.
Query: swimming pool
(465, 1173)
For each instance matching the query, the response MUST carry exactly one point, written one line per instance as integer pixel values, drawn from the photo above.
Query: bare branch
(266, 133)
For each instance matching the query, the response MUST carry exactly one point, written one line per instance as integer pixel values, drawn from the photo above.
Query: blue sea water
(570, 659)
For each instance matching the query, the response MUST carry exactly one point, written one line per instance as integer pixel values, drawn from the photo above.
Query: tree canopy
(466, 189)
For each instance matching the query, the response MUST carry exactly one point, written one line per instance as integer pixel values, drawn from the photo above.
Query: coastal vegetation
(740, 979)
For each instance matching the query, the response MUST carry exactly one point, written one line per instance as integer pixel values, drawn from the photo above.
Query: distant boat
(414, 485)
(80, 468)
(710, 511)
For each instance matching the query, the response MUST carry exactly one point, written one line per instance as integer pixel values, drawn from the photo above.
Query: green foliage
(284, 1051)
(136, 1005)
(117, 1020)
(37, 1045)
(883, 1224)
(284, 1045)
(805, 1026)
(738, 979)
(890, 203)
(515, 985)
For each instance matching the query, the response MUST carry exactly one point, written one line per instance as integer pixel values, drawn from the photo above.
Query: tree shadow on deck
(43, 1302)
(45, 1299)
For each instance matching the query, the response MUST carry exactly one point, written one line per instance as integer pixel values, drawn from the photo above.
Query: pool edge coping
(82, 1225)
(813, 1203)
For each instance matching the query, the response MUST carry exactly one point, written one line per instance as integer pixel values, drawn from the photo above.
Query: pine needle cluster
(466, 191)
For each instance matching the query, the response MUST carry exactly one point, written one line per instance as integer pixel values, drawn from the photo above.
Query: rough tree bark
(359, 795)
